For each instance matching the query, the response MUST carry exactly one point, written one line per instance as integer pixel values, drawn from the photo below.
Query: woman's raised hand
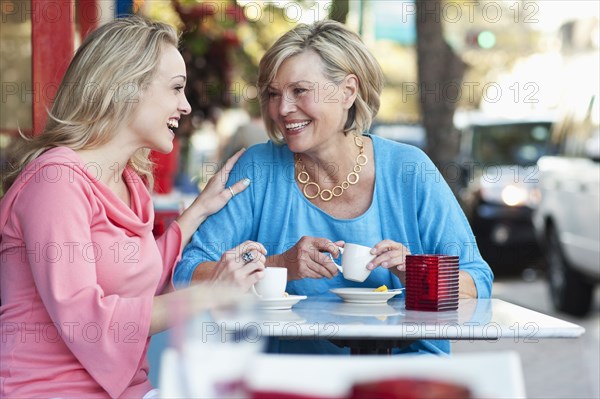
(212, 199)
(215, 195)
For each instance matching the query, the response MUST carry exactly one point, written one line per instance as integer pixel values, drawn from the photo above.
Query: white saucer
(280, 303)
(365, 295)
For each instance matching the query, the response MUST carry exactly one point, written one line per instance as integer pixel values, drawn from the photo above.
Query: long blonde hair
(100, 91)
(343, 53)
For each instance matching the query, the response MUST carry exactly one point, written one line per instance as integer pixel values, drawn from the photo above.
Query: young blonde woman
(82, 277)
(323, 181)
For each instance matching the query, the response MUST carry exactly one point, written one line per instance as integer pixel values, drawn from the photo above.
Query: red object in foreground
(407, 388)
(396, 388)
(283, 395)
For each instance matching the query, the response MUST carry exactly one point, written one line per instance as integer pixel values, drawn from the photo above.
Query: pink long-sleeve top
(78, 275)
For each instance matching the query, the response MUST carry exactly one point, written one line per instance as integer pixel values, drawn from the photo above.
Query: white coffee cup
(272, 285)
(355, 259)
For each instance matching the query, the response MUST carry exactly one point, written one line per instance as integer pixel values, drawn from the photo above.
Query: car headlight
(514, 195)
(510, 194)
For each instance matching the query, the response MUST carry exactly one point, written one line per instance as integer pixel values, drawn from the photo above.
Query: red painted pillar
(52, 34)
(89, 14)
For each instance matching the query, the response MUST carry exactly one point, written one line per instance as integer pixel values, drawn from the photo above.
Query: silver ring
(231, 191)
(247, 257)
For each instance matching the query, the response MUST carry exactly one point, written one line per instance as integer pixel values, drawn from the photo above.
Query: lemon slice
(383, 288)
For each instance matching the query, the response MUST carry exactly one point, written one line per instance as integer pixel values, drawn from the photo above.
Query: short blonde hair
(100, 91)
(343, 53)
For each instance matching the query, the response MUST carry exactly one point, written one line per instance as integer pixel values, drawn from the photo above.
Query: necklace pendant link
(327, 194)
(362, 159)
(353, 181)
(359, 143)
(328, 197)
(303, 177)
(311, 196)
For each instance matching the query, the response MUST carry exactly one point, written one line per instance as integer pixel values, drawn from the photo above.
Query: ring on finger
(247, 257)
(231, 191)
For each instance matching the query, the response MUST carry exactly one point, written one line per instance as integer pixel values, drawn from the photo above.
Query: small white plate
(280, 303)
(365, 295)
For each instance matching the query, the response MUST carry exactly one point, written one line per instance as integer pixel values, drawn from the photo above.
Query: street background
(552, 368)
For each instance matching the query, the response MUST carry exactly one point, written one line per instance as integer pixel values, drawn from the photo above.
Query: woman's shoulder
(262, 162)
(268, 149)
(55, 174)
(394, 150)
(267, 153)
(56, 165)
(46, 184)
(58, 155)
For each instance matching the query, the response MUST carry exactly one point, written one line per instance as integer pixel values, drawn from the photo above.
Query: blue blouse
(412, 204)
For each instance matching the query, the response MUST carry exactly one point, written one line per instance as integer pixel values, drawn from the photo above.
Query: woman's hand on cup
(309, 258)
(390, 255)
(241, 266)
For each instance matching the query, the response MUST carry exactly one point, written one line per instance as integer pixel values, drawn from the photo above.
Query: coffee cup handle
(334, 262)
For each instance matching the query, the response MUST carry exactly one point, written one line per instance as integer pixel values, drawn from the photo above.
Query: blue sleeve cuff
(483, 281)
(182, 276)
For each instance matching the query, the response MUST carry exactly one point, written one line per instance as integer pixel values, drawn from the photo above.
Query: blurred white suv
(567, 218)
(498, 189)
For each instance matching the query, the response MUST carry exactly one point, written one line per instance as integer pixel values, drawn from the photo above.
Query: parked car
(498, 188)
(567, 218)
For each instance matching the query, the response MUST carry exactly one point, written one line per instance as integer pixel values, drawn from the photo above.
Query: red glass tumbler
(432, 282)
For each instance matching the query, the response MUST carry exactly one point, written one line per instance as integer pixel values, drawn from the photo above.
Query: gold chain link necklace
(326, 194)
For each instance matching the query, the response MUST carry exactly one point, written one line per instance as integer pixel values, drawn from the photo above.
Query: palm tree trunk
(440, 73)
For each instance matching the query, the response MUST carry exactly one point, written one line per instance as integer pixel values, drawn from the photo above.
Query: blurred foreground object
(409, 388)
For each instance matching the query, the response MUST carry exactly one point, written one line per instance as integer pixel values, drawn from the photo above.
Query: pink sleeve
(58, 214)
(169, 245)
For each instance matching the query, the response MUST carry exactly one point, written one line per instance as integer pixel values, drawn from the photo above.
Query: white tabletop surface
(326, 317)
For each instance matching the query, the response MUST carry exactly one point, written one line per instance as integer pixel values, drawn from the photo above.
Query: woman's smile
(294, 128)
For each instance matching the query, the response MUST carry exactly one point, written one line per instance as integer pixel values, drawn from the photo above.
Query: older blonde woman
(81, 274)
(322, 181)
